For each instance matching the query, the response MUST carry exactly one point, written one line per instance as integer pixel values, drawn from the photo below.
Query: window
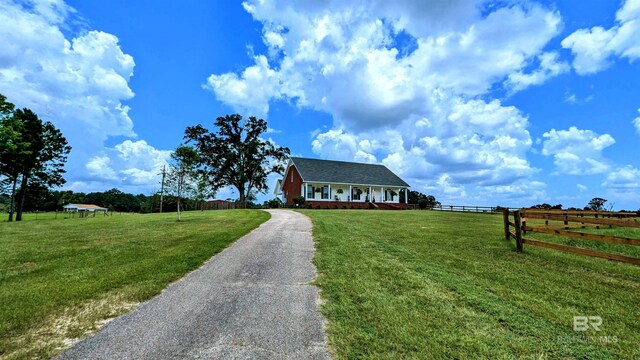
(325, 192)
(310, 192)
(292, 176)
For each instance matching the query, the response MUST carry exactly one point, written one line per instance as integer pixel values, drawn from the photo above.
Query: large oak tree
(235, 155)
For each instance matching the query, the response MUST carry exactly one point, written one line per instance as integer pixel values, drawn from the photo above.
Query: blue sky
(476, 102)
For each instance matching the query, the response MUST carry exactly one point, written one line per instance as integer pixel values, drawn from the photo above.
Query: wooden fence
(571, 220)
(220, 205)
(470, 208)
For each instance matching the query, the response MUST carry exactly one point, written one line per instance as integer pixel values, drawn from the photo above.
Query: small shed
(85, 209)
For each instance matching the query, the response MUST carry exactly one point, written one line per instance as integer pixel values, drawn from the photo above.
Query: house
(341, 184)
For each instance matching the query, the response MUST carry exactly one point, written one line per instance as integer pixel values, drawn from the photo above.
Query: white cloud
(251, 91)
(570, 98)
(582, 188)
(131, 163)
(550, 66)
(623, 186)
(402, 80)
(99, 166)
(347, 61)
(624, 179)
(593, 48)
(636, 123)
(80, 84)
(577, 152)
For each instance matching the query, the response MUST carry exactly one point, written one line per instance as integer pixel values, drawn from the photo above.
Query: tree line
(42, 199)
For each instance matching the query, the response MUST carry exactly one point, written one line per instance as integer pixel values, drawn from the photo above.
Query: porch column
(329, 192)
(370, 195)
(406, 195)
(304, 191)
(350, 194)
(382, 194)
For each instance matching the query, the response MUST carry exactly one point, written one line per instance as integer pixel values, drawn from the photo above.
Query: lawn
(436, 285)
(61, 277)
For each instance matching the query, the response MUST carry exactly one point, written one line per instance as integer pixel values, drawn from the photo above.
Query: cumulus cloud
(623, 185)
(625, 179)
(404, 82)
(593, 48)
(577, 152)
(250, 91)
(130, 163)
(80, 83)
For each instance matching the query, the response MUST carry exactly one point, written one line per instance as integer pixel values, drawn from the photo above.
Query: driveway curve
(252, 300)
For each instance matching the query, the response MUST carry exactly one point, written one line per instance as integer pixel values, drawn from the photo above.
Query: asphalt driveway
(252, 300)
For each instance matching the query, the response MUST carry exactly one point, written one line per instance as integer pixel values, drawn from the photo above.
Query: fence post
(516, 218)
(505, 216)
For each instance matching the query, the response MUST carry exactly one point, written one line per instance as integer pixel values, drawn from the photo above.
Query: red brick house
(341, 184)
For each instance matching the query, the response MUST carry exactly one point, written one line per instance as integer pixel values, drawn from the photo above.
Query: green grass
(436, 285)
(59, 277)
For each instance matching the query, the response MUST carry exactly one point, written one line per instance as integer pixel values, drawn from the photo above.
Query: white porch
(353, 193)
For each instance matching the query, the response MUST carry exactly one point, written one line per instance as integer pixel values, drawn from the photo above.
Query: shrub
(317, 206)
(335, 207)
(298, 200)
(422, 204)
(275, 203)
(344, 206)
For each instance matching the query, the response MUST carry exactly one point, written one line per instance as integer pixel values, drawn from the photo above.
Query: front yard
(420, 284)
(59, 278)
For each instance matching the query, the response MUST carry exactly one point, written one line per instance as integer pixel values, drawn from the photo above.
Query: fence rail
(471, 208)
(584, 218)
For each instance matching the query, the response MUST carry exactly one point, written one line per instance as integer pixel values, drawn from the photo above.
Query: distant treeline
(43, 199)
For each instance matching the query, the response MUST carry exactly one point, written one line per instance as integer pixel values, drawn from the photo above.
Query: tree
(41, 154)
(545, 206)
(182, 176)
(596, 204)
(236, 155)
(430, 200)
(272, 204)
(12, 149)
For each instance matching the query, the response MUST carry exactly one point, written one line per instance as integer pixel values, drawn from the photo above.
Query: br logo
(582, 323)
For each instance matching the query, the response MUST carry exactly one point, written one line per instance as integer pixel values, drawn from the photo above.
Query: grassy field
(60, 278)
(436, 285)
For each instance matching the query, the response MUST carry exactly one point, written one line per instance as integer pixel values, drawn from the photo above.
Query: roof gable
(342, 172)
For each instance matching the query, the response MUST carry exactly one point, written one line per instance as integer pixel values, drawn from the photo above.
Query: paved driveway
(252, 300)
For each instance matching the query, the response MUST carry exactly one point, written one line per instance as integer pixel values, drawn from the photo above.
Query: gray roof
(341, 172)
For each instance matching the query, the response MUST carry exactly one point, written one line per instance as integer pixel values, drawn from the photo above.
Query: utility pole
(164, 173)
